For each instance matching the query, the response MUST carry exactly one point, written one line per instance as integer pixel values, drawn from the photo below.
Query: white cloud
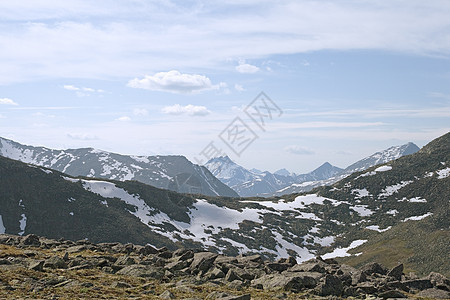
(140, 112)
(81, 91)
(82, 136)
(191, 110)
(239, 88)
(123, 119)
(70, 87)
(7, 101)
(246, 68)
(51, 40)
(295, 149)
(174, 82)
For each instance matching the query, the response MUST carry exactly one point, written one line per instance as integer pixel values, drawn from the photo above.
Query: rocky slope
(175, 173)
(37, 267)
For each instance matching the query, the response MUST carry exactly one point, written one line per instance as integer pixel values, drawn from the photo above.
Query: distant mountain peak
(283, 172)
(224, 158)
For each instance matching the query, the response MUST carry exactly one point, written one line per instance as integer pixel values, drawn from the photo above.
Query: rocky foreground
(39, 268)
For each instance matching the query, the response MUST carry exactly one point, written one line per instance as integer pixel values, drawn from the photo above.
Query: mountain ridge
(248, 183)
(173, 172)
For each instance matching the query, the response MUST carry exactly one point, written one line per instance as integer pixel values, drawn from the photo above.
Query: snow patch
(300, 202)
(418, 218)
(241, 247)
(315, 229)
(109, 190)
(392, 212)
(379, 169)
(383, 169)
(23, 224)
(360, 193)
(325, 241)
(342, 252)
(71, 213)
(70, 179)
(392, 189)
(362, 210)
(46, 171)
(444, 173)
(415, 199)
(303, 253)
(142, 159)
(308, 216)
(377, 228)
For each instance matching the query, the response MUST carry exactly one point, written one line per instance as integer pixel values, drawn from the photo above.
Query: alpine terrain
(396, 211)
(175, 173)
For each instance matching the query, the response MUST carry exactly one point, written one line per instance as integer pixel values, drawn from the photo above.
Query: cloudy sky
(343, 78)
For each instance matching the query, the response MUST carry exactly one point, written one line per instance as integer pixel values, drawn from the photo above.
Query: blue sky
(168, 77)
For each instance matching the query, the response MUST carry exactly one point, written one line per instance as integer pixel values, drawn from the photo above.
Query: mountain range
(249, 183)
(398, 208)
(175, 173)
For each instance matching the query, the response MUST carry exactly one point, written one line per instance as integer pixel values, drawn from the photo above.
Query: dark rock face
(316, 277)
(396, 272)
(331, 285)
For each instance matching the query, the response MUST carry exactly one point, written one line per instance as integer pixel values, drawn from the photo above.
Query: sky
(271, 84)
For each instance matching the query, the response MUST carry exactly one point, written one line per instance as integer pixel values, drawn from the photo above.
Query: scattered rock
(125, 260)
(294, 282)
(120, 285)
(309, 267)
(185, 272)
(396, 272)
(439, 281)
(37, 265)
(142, 271)
(434, 294)
(202, 261)
(167, 295)
(373, 268)
(5, 262)
(232, 297)
(418, 284)
(216, 295)
(331, 285)
(147, 250)
(55, 262)
(279, 267)
(392, 294)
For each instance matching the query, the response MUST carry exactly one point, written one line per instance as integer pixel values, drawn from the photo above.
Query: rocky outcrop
(185, 270)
